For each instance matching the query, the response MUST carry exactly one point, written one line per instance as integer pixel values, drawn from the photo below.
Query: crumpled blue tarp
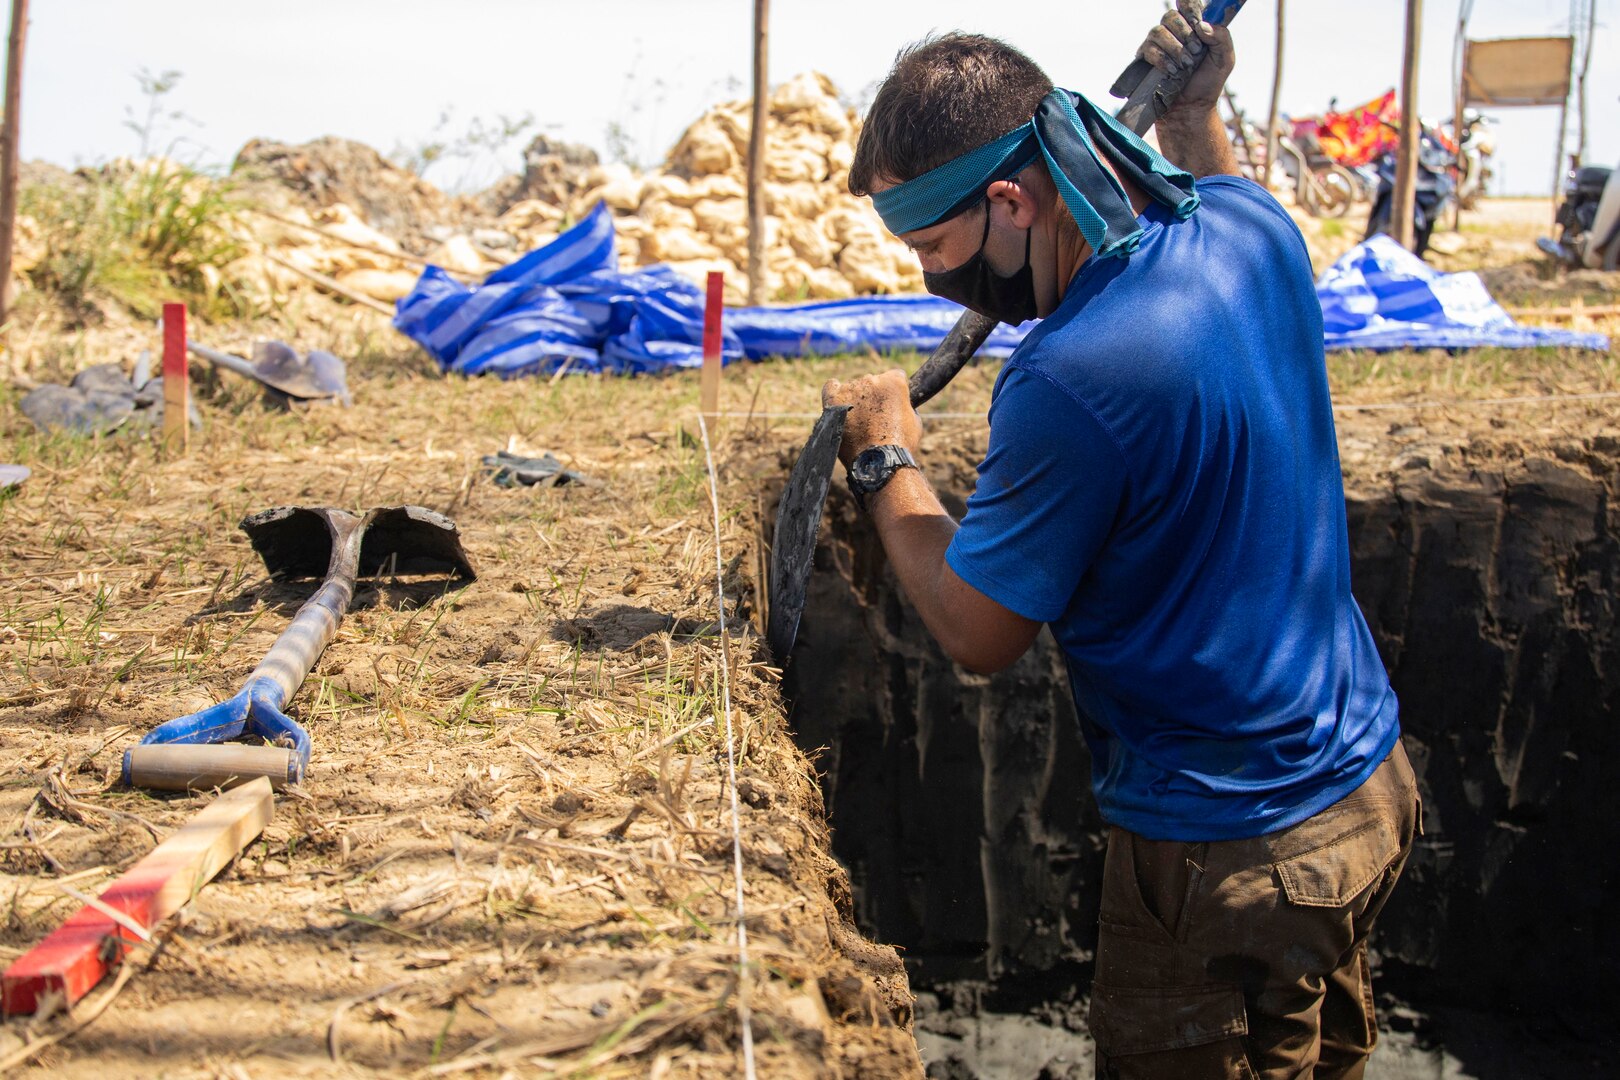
(1381, 296)
(568, 303)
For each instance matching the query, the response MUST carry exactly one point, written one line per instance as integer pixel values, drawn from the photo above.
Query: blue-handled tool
(193, 752)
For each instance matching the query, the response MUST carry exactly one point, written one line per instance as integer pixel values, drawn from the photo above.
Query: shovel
(294, 542)
(315, 377)
(1150, 92)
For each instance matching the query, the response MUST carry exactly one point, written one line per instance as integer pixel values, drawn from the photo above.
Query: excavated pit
(960, 803)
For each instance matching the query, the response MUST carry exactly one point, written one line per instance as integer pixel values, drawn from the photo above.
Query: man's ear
(1017, 199)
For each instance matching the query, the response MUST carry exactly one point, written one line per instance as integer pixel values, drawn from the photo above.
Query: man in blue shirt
(1162, 489)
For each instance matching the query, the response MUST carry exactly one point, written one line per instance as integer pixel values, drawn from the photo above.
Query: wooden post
(1276, 93)
(1242, 136)
(712, 344)
(79, 952)
(8, 154)
(176, 379)
(756, 160)
(1405, 194)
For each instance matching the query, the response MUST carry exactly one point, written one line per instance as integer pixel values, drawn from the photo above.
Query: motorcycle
(1322, 187)
(1475, 149)
(1436, 187)
(1588, 220)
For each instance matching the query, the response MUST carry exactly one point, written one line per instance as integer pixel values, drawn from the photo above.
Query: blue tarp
(569, 303)
(1381, 296)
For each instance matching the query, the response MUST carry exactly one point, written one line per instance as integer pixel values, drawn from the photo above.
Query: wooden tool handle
(959, 345)
(191, 767)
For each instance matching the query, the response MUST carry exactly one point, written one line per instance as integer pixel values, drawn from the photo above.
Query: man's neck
(1072, 249)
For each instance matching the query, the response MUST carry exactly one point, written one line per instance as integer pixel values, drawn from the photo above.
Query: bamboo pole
(1276, 93)
(1406, 166)
(332, 286)
(756, 158)
(8, 152)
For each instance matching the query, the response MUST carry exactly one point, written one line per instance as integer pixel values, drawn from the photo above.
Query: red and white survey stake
(176, 379)
(95, 939)
(709, 388)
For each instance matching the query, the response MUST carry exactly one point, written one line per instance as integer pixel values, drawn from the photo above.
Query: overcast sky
(385, 72)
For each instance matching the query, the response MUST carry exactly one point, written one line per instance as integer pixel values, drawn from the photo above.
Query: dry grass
(513, 852)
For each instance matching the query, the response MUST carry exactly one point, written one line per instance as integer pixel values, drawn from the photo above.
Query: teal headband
(1066, 131)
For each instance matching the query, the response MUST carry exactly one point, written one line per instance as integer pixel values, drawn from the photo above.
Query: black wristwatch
(873, 468)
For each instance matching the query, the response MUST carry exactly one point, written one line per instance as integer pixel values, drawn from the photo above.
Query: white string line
(744, 1014)
(1526, 399)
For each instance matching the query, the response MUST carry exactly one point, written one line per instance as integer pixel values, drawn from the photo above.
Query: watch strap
(874, 468)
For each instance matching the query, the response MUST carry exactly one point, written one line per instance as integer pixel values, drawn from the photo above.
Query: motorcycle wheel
(1338, 191)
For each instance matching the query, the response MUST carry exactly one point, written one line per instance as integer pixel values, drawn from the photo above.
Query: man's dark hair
(944, 96)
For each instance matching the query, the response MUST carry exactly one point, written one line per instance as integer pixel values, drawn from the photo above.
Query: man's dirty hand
(880, 413)
(1166, 49)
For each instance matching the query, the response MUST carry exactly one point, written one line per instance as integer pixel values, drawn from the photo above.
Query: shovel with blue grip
(195, 752)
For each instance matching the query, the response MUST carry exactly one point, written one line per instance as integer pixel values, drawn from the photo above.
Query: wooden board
(80, 951)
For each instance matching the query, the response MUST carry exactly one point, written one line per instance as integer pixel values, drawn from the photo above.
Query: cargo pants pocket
(1169, 1034)
(1334, 874)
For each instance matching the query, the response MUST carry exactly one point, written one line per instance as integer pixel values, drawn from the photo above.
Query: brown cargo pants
(1248, 958)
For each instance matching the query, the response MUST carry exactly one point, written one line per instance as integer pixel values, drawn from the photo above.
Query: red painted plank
(82, 950)
(709, 386)
(712, 314)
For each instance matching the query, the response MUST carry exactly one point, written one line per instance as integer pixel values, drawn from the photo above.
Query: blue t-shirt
(1162, 486)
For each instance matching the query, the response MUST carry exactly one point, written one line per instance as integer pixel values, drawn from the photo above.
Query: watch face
(868, 466)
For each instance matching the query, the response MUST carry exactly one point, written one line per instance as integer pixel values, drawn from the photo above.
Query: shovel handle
(223, 359)
(959, 345)
(190, 767)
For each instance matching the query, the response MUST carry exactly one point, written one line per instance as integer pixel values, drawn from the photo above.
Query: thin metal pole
(756, 159)
(1459, 71)
(1276, 92)
(8, 151)
(1406, 164)
(1580, 92)
(1558, 159)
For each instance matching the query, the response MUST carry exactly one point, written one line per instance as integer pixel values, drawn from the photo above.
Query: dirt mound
(329, 171)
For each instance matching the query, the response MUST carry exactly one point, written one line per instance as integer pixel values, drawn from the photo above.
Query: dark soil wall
(961, 804)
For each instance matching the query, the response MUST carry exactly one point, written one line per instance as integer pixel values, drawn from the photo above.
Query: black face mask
(976, 285)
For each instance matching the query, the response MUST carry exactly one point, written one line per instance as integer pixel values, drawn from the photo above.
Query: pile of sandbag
(820, 241)
(286, 245)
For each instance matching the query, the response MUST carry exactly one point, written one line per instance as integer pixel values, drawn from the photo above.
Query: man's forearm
(1198, 143)
(916, 530)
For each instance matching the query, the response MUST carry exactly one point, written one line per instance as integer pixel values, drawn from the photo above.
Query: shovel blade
(297, 541)
(412, 540)
(318, 375)
(798, 518)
